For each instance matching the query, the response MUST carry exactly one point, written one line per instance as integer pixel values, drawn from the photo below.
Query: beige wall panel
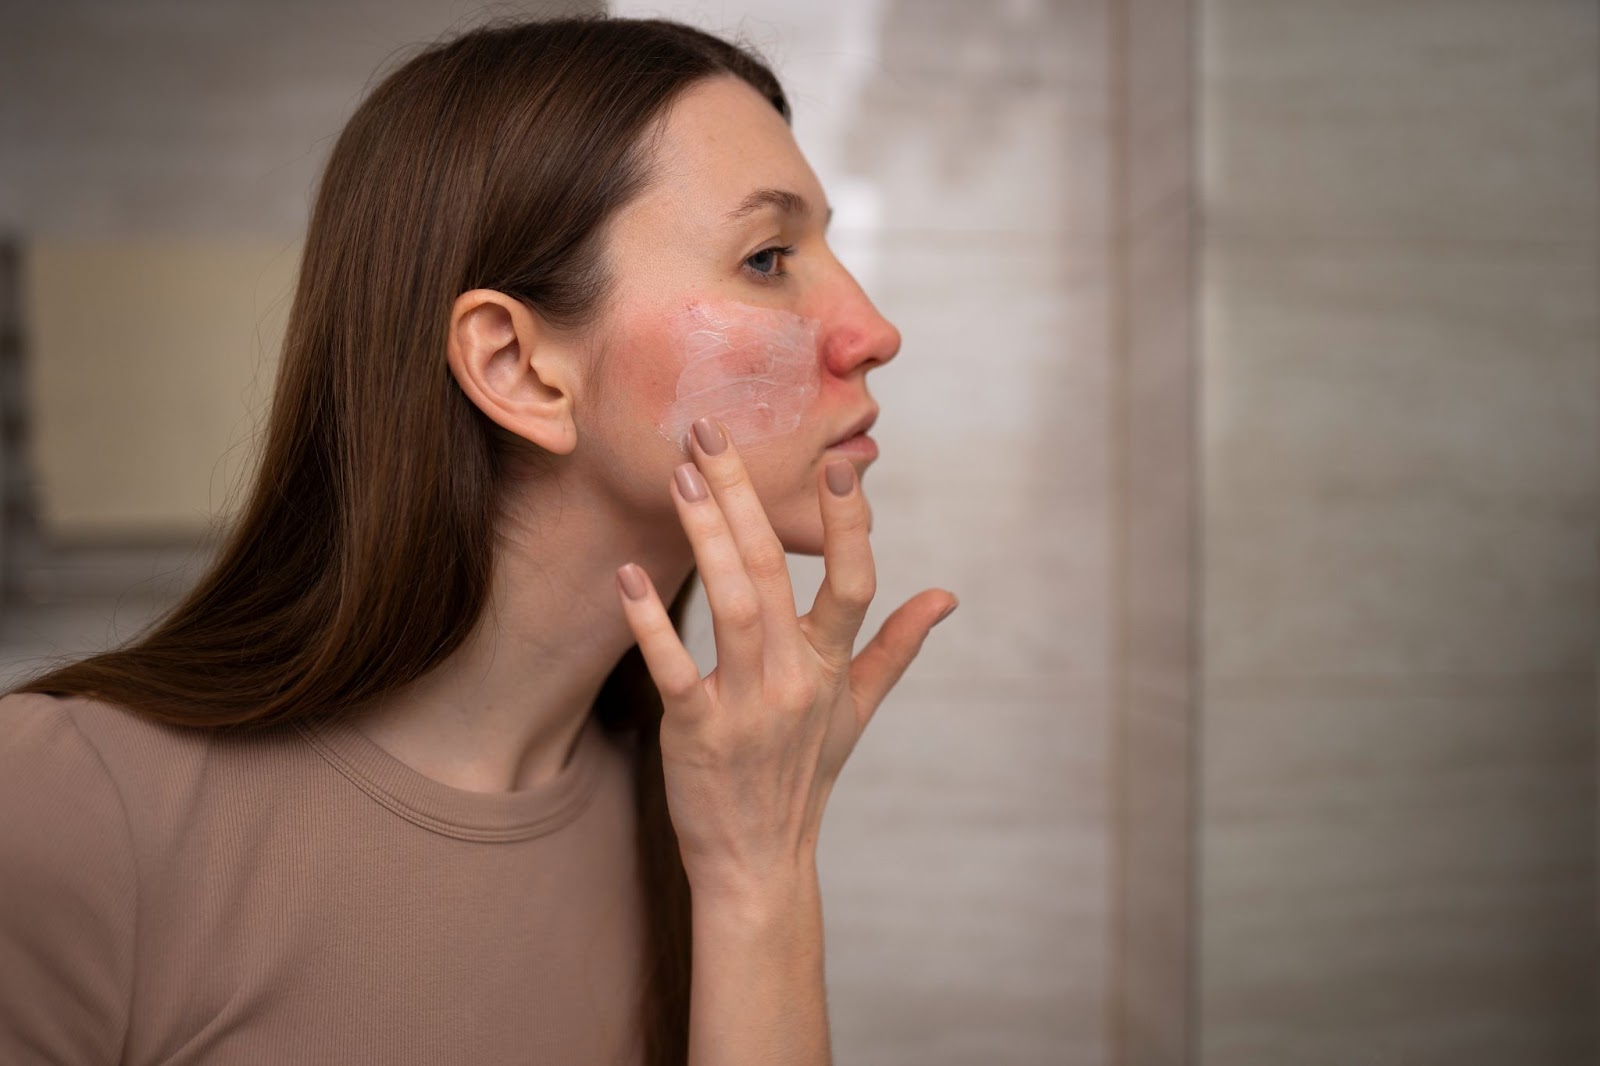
(1381, 118)
(151, 362)
(1401, 404)
(983, 811)
(1397, 871)
(1396, 474)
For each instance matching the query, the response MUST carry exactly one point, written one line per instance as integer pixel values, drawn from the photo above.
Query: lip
(858, 428)
(860, 445)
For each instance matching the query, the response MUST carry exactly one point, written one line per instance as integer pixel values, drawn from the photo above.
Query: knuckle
(852, 520)
(725, 470)
(796, 690)
(855, 589)
(834, 670)
(679, 687)
(736, 732)
(741, 610)
(768, 565)
(703, 522)
(656, 632)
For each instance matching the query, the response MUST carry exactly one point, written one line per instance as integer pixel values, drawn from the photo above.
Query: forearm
(756, 994)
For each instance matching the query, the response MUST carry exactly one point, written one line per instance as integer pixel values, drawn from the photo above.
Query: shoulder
(70, 731)
(40, 737)
(99, 758)
(66, 933)
(30, 718)
(53, 773)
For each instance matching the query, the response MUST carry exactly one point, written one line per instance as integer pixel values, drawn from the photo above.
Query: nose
(860, 336)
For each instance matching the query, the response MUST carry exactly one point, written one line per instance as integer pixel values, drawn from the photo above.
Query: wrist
(772, 894)
(758, 991)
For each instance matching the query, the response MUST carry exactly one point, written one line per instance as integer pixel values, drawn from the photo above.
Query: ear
(513, 367)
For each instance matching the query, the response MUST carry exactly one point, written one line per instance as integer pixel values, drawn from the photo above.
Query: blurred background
(1249, 400)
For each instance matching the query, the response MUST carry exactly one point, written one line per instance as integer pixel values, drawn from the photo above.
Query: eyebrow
(786, 202)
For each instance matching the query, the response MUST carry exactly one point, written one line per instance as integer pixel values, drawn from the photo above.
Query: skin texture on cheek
(755, 368)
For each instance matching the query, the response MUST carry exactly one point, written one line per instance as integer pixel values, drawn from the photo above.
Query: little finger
(671, 667)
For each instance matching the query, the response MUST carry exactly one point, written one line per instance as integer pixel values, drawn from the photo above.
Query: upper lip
(860, 425)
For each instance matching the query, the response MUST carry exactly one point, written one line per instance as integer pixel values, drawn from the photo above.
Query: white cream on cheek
(755, 368)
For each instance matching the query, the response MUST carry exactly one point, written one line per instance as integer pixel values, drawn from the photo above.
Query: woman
(421, 771)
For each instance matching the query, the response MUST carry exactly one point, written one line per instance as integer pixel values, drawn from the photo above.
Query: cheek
(755, 368)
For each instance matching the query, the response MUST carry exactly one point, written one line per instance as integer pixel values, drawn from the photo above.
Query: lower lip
(860, 444)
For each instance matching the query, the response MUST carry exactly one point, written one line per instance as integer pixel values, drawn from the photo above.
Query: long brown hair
(362, 555)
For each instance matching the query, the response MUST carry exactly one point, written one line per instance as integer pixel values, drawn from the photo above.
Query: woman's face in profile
(728, 303)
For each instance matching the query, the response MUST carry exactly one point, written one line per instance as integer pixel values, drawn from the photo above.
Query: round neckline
(458, 812)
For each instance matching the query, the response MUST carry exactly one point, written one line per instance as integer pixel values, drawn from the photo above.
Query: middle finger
(759, 545)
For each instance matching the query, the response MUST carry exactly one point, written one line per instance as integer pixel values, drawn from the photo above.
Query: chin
(804, 537)
(808, 542)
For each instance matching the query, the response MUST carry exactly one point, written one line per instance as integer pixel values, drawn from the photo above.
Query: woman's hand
(751, 751)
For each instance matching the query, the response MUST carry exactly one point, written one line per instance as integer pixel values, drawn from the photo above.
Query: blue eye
(765, 263)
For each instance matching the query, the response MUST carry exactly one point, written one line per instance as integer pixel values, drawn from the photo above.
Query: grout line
(1194, 505)
(1119, 277)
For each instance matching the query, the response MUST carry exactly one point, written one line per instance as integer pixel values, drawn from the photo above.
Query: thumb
(879, 665)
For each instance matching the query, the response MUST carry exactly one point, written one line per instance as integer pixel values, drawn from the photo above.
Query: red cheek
(754, 368)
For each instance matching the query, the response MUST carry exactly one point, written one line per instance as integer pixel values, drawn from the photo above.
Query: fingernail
(690, 483)
(633, 582)
(946, 613)
(710, 437)
(840, 476)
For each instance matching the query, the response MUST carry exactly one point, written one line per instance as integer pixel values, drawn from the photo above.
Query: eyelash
(770, 277)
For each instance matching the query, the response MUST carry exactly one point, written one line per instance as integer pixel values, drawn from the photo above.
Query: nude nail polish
(690, 483)
(710, 437)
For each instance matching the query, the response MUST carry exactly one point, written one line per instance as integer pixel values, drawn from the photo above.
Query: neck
(505, 710)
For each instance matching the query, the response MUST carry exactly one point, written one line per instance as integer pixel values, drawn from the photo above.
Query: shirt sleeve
(68, 892)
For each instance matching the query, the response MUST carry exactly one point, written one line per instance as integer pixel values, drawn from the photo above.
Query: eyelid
(784, 251)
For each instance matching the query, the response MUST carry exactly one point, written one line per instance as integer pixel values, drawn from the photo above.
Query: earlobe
(512, 368)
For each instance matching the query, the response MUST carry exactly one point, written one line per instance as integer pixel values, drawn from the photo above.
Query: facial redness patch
(755, 368)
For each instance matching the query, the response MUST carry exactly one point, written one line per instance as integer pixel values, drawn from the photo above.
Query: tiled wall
(1400, 390)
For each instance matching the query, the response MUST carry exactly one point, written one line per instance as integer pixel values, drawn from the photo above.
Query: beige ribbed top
(301, 896)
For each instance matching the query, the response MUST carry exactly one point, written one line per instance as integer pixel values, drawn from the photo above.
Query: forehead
(719, 141)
